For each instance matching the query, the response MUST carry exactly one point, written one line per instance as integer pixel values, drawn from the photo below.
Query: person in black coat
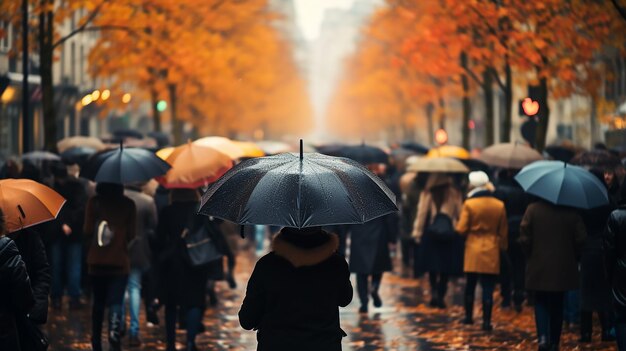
(370, 256)
(294, 293)
(65, 238)
(16, 296)
(513, 262)
(183, 285)
(33, 253)
(615, 250)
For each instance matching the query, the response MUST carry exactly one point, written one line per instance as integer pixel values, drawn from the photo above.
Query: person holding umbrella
(483, 222)
(16, 296)
(615, 249)
(110, 221)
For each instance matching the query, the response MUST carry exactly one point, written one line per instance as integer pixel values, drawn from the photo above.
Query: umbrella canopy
(224, 145)
(436, 165)
(38, 156)
(80, 141)
(364, 154)
(127, 133)
(26, 203)
(413, 146)
(165, 152)
(475, 164)
(250, 149)
(124, 165)
(559, 153)
(509, 155)
(596, 159)
(448, 151)
(194, 166)
(77, 155)
(563, 184)
(330, 149)
(298, 191)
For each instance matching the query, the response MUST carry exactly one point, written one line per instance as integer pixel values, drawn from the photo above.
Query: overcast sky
(309, 14)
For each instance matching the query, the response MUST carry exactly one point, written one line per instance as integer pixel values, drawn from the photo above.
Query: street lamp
(105, 94)
(95, 95)
(87, 99)
(126, 98)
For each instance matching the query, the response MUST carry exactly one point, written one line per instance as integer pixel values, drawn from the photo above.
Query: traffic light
(532, 105)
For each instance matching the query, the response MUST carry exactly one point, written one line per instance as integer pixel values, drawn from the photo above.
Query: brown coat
(483, 221)
(120, 213)
(552, 237)
(451, 205)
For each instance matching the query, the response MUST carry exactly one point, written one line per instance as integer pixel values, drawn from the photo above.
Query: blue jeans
(549, 316)
(133, 292)
(65, 260)
(571, 310)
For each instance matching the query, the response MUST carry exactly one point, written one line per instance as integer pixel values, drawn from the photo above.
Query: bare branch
(619, 9)
(82, 27)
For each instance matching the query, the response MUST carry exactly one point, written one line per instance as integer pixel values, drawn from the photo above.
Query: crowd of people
(121, 245)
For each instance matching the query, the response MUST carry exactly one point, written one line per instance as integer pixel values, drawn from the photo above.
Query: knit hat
(478, 179)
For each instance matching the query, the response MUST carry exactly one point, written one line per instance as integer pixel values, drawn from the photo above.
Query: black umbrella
(475, 164)
(124, 165)
(364, 154)
(560, 153)
(563, 184)
(411, 145)
(40, 156)
(127, 133)
(298, 191)
(601, 159)
(77, 155)
(330, 149)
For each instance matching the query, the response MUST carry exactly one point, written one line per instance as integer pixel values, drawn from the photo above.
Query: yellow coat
(483, 221)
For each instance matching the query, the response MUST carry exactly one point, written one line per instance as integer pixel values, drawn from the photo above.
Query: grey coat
(139, 249)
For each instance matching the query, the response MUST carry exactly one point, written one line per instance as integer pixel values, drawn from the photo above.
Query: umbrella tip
(301, 150)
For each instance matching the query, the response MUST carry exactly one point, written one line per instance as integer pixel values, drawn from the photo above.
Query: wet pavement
(403, 323)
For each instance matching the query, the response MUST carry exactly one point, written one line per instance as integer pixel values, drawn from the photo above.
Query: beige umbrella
(80, 141)
(436, 165)
(509, 155)
(224, 145)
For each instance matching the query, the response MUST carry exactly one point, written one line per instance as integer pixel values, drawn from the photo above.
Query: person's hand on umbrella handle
(67, 230)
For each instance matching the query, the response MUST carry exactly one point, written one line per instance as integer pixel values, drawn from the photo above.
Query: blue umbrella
(124, 165)
(563, 184)
(298, 191)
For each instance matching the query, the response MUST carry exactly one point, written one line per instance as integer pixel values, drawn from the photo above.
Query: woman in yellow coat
(483, 222)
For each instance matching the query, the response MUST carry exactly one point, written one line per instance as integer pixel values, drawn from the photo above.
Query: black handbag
(440, 228)
(198, 246)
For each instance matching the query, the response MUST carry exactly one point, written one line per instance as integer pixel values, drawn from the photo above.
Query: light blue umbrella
(563, 184)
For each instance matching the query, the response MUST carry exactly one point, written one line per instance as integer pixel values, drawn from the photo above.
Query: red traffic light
(441, 136)
(530, 107)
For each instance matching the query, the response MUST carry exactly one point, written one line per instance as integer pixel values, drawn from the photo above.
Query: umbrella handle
(301, 150)
(242, 232)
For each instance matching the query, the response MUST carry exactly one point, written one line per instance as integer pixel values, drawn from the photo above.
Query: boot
(469, 310)
(115, 339)
(487, 306)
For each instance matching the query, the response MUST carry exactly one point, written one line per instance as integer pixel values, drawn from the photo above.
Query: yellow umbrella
(224, 145)
(26, 203)
(448, 151)
(250, 149)
(194, 166)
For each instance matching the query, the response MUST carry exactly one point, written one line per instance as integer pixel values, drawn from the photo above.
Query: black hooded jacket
(615, 246)
(294, 293)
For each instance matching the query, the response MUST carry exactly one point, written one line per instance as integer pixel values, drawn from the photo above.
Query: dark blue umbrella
(298, 191)
(364, 154)
(418, 148)
(77, 155)
(124, 165)
(563, 184)
(39, 156)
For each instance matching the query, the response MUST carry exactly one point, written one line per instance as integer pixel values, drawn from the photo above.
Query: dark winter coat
(73, 211)
(120, 213)
(180, 282)
(369, 248)
(594, 286)
(515, 203)
(615, 246)
(139, 250)
(33, 253)
(294, 293)
(16, 296)
(552, 238)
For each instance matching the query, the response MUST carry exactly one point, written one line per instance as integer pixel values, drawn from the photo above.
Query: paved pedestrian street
(403, 323)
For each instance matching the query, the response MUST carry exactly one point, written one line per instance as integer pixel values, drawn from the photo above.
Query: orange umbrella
(165, 152)
(194, 166)
(26, 203)
(448, 151)
(222, 144)
(250, 149)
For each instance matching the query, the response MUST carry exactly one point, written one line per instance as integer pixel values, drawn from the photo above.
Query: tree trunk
(505, 133)
(544, 117)
(177, 125)
(429, 119)
(156, 115)
(489, 111)
(467, 107)
(46, 52)
(442, 113)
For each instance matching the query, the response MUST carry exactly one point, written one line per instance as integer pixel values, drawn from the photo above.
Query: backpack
(198, 246)
(440, 228)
